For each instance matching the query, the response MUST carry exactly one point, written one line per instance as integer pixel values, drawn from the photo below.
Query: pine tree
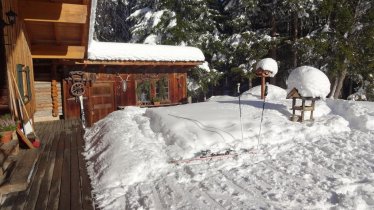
(348, 20)
(111, 20)
(334, 36)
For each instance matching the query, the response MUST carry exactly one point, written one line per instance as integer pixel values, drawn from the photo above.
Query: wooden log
(306, 108)
(7, 149)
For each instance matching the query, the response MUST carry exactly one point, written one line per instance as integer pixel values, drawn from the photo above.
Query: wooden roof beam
(143, 63)
(57, 52)
(53, 12)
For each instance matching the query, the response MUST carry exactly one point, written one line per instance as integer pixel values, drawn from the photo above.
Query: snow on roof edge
(92, 22)
(115, 51)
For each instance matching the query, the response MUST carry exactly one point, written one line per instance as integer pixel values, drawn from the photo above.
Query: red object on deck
(36, 143)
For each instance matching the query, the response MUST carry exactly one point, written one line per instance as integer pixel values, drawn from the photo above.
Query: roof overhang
(56, 29)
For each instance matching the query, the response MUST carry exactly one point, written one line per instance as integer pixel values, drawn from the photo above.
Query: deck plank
(38, 178)
(56, 178)
(75, 185)
(20, 199)
(60, 179)
(87, 201)
(65, 179)
(43, 197)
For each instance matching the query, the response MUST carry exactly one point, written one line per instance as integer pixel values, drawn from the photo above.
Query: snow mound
(360, 95)
(360, 115)
(309, 82)
(121, 150)
(128, 153)
(274, 92)
(221, 98)
(268, 64)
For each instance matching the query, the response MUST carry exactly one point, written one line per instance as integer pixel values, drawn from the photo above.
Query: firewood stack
(54, 93)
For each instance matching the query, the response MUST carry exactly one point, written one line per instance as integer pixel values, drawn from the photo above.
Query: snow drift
(321, 164)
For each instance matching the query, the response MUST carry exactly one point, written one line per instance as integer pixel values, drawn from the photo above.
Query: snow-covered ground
(324, 164)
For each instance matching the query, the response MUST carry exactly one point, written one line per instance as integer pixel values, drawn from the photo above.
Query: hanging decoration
(124, 82)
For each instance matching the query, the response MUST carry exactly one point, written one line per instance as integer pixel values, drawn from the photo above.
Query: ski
(206, 155)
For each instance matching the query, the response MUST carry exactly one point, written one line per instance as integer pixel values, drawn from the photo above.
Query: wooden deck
(60, 179)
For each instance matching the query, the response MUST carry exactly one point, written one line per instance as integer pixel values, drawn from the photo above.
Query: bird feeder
(266, 67)
(294, 94)
(308, 84)
(263, 74)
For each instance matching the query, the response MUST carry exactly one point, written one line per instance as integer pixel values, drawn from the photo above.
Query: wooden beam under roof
(185, 64)
(53, 12)
(58, 52)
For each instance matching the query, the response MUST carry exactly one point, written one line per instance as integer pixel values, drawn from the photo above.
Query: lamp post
(11, 18)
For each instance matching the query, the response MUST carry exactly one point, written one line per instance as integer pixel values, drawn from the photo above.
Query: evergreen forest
(335, 36)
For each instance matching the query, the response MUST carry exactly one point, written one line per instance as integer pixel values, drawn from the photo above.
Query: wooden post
(262, 87)
(263, 74)
(302, 109)
(293, 107)
(311, 112)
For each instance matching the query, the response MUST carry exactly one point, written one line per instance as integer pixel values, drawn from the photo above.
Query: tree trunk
(340, 81)
(334, 87)
(250, 83)
(273, 50)
(295, 33)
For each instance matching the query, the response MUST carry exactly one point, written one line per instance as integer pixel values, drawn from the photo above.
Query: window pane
(162, 89)
(143, 91)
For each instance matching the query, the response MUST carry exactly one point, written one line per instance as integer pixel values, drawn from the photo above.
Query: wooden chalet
(48, 66)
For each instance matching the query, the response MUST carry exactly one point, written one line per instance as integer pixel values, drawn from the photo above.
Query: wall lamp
(11, 16)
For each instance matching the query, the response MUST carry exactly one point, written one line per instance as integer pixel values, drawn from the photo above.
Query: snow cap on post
(309, 82)
(268, 64)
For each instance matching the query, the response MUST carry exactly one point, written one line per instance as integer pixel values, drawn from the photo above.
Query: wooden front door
(182, 88)
(101, 101)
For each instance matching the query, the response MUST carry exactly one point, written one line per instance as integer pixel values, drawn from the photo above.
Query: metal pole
(262, 114)
(240, 112)
(83, 117)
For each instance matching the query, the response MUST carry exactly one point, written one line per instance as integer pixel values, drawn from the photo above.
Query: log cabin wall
(19, 65)
(4, 99)
(104, 88)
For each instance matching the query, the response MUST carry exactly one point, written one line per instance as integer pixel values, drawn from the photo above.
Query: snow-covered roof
(309, 82)
(268, 64)
(116, 51)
